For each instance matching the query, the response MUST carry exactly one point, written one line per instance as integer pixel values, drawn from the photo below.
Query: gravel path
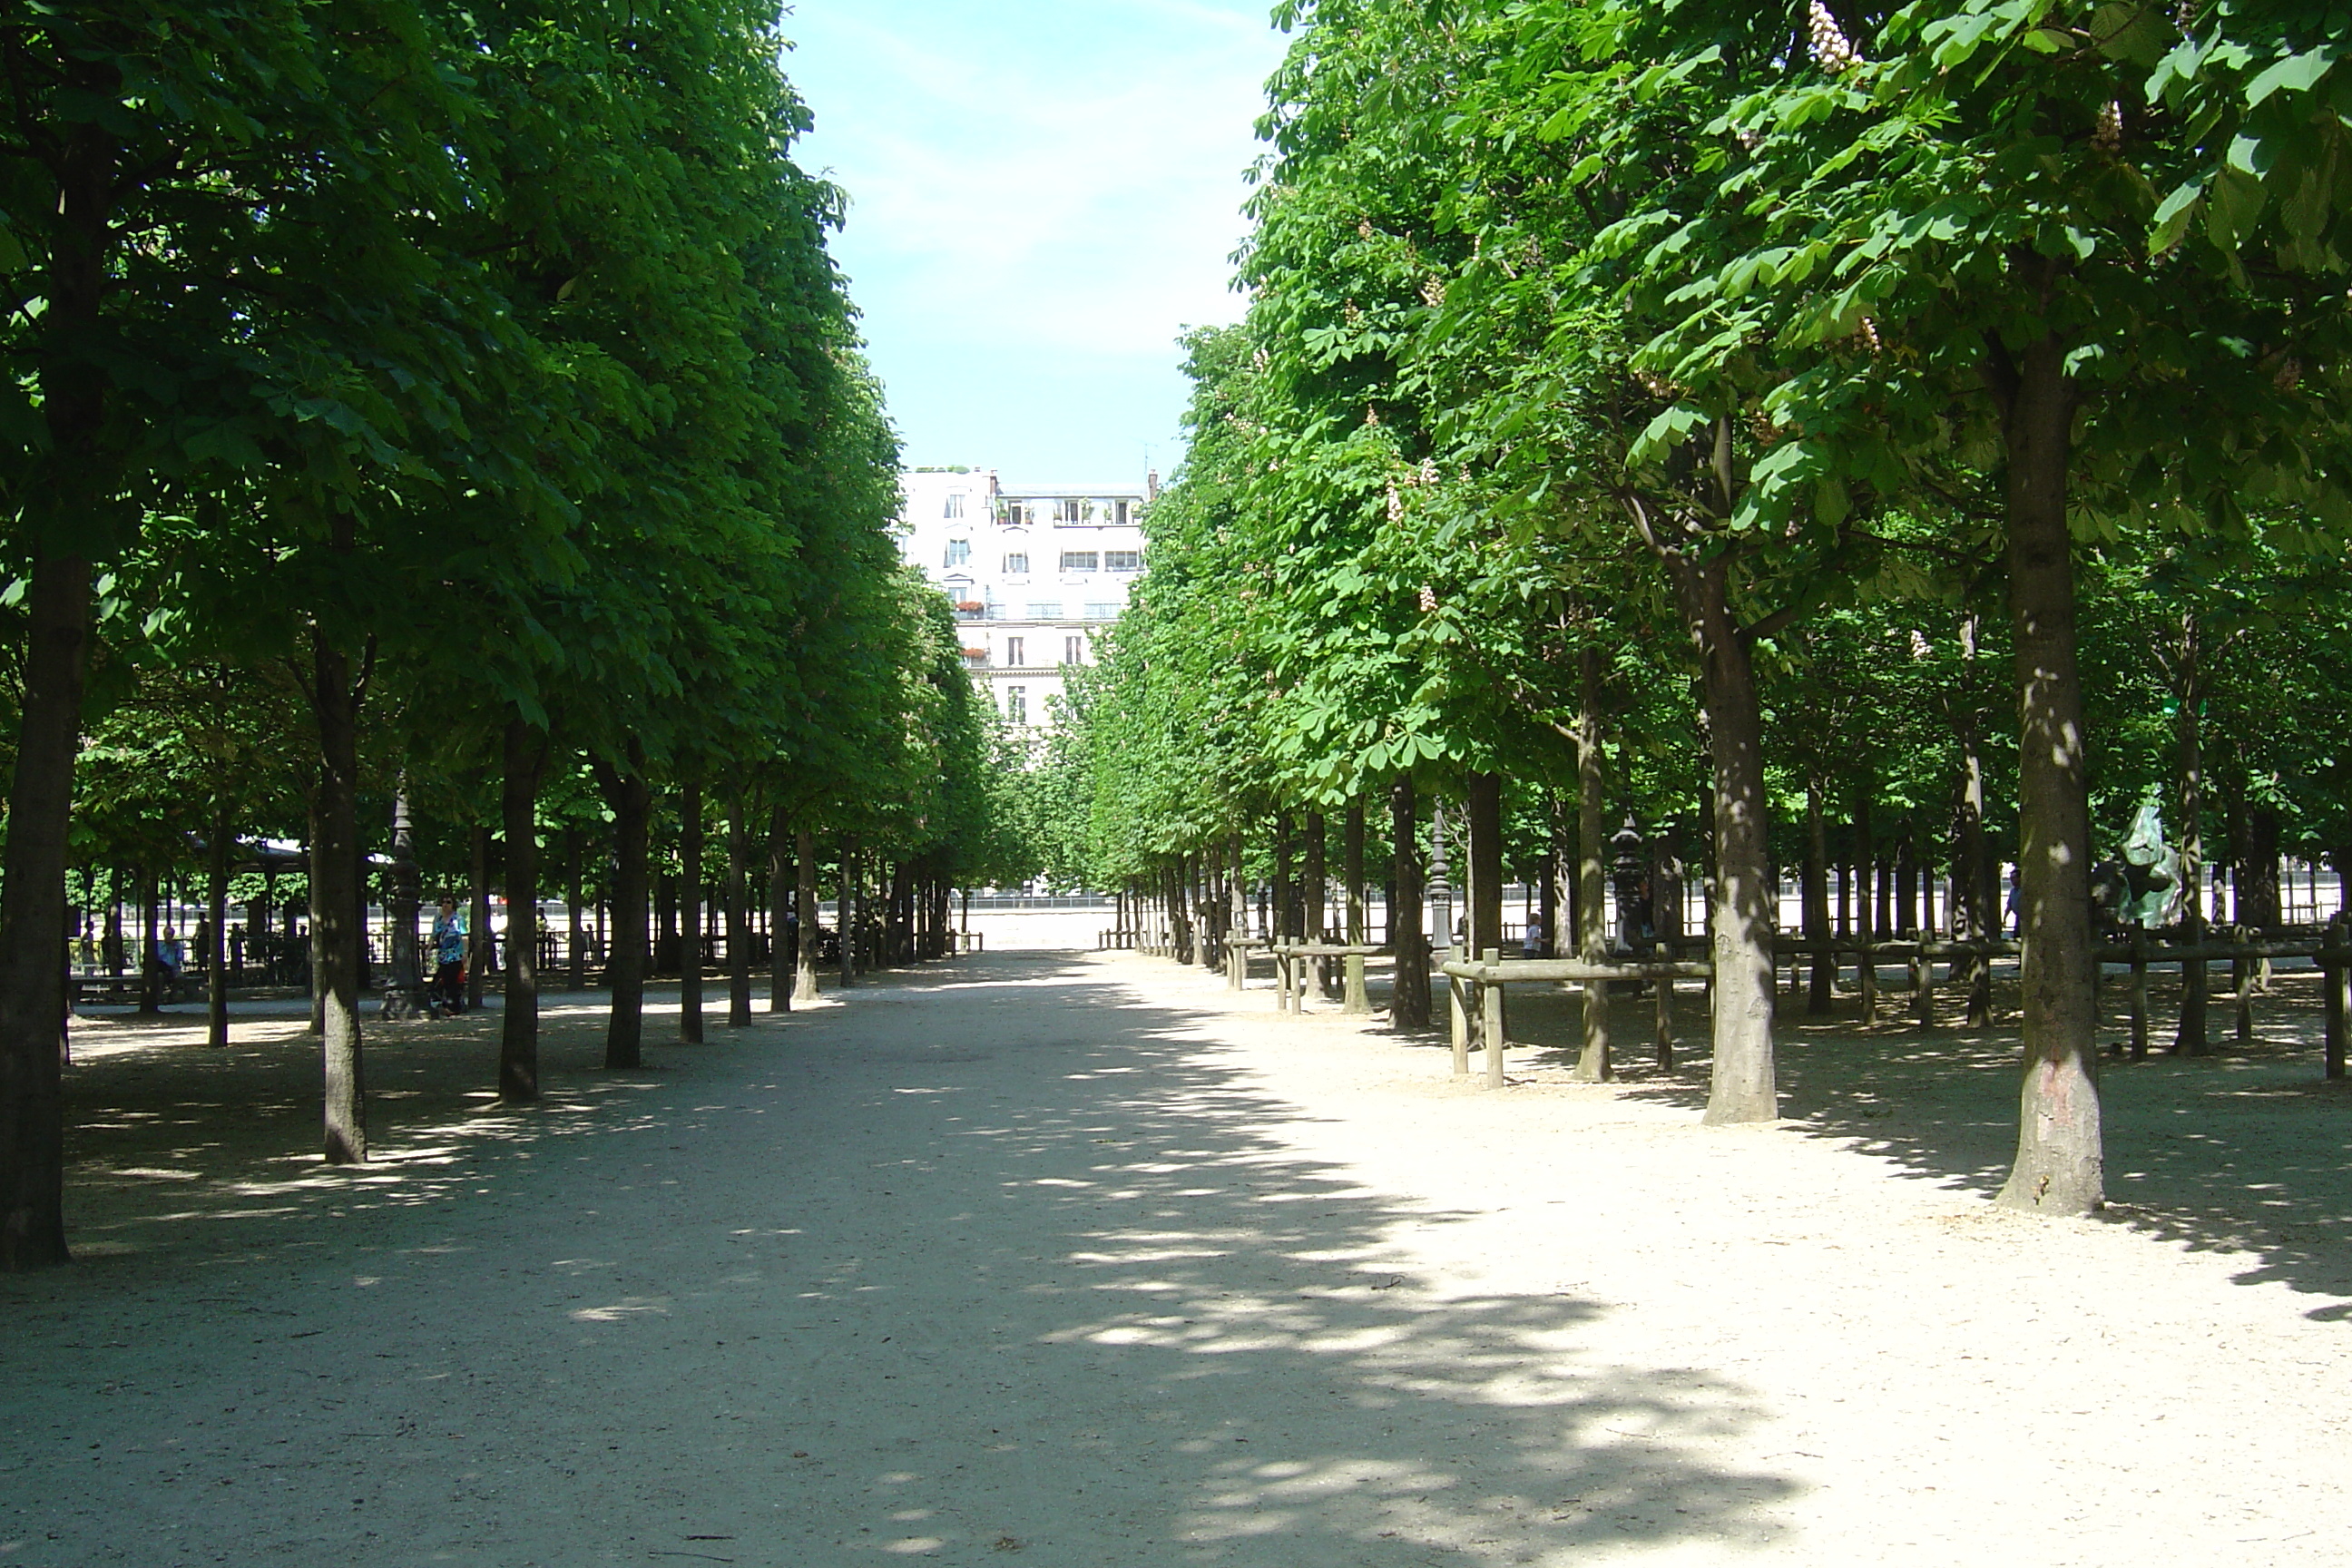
(1083, 1258)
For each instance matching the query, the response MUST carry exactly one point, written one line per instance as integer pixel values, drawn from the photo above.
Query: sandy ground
(1085, 1259)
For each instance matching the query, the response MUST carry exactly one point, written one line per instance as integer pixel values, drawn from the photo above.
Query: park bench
(2332, 956)
(1295, 963)
(1237, 957)
(126, 990)
(1492, 976)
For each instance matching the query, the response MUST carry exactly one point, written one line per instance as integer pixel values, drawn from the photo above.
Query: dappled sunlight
(1201, 1265)
(2239, 1153)
(235, 1131)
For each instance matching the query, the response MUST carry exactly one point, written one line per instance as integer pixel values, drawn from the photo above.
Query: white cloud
(1043, 181)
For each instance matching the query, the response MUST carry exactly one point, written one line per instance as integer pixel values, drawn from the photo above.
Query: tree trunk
(2189, 690)
(1592, 902)
(1908, 885)
(739, 913)
(1484, 808)
(2260, 874)
(56, 652)
(404, 993)
(631, 800)
(335, 934)
(666, 939)
(2060, 1159)
(690, 912)
(575, 936)
(111, 945)
(478, 946)
(1351, 860)
(312, 990)
(1742, 1087)
(1868, 903)
(1237, 897)
(1559, 854)
(1980, 907)
(1409, 1000)
(804, 872)
(1313, 876)
(1819, 997)
(526, 760)
(216, 931)
(150, 934)
(846, 912)
(33, 914)
(779, 892)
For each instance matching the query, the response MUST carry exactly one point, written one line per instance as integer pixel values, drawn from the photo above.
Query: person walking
(448, 993)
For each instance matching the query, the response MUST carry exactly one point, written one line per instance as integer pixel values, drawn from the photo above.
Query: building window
(1105, 612)
(1074, 651)
(1016, 515)
(1016, 704)
(1122, 559)
(959, 552)
(1080, 561)
(1017, 562)
(954, 506)
(1044, 609)
(1012, 651)
(1118, 509)
(1067, 512)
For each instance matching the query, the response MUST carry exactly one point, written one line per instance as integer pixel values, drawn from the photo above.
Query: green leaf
(2172, 218)
(1670, 428)
(1831, 505)
(2296, 73)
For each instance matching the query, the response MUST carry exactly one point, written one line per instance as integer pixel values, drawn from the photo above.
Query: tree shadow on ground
(991, 1257)
(2243, 1151)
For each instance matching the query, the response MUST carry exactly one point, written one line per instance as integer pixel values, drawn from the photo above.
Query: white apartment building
(1033, 572)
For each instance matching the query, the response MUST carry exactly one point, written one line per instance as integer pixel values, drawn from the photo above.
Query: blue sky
(1043, 194)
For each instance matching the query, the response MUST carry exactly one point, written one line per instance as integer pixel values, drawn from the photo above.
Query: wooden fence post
(1458, 1023)
(1493, 1001)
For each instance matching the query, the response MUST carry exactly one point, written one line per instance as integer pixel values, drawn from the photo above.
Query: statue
(2139, 889)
